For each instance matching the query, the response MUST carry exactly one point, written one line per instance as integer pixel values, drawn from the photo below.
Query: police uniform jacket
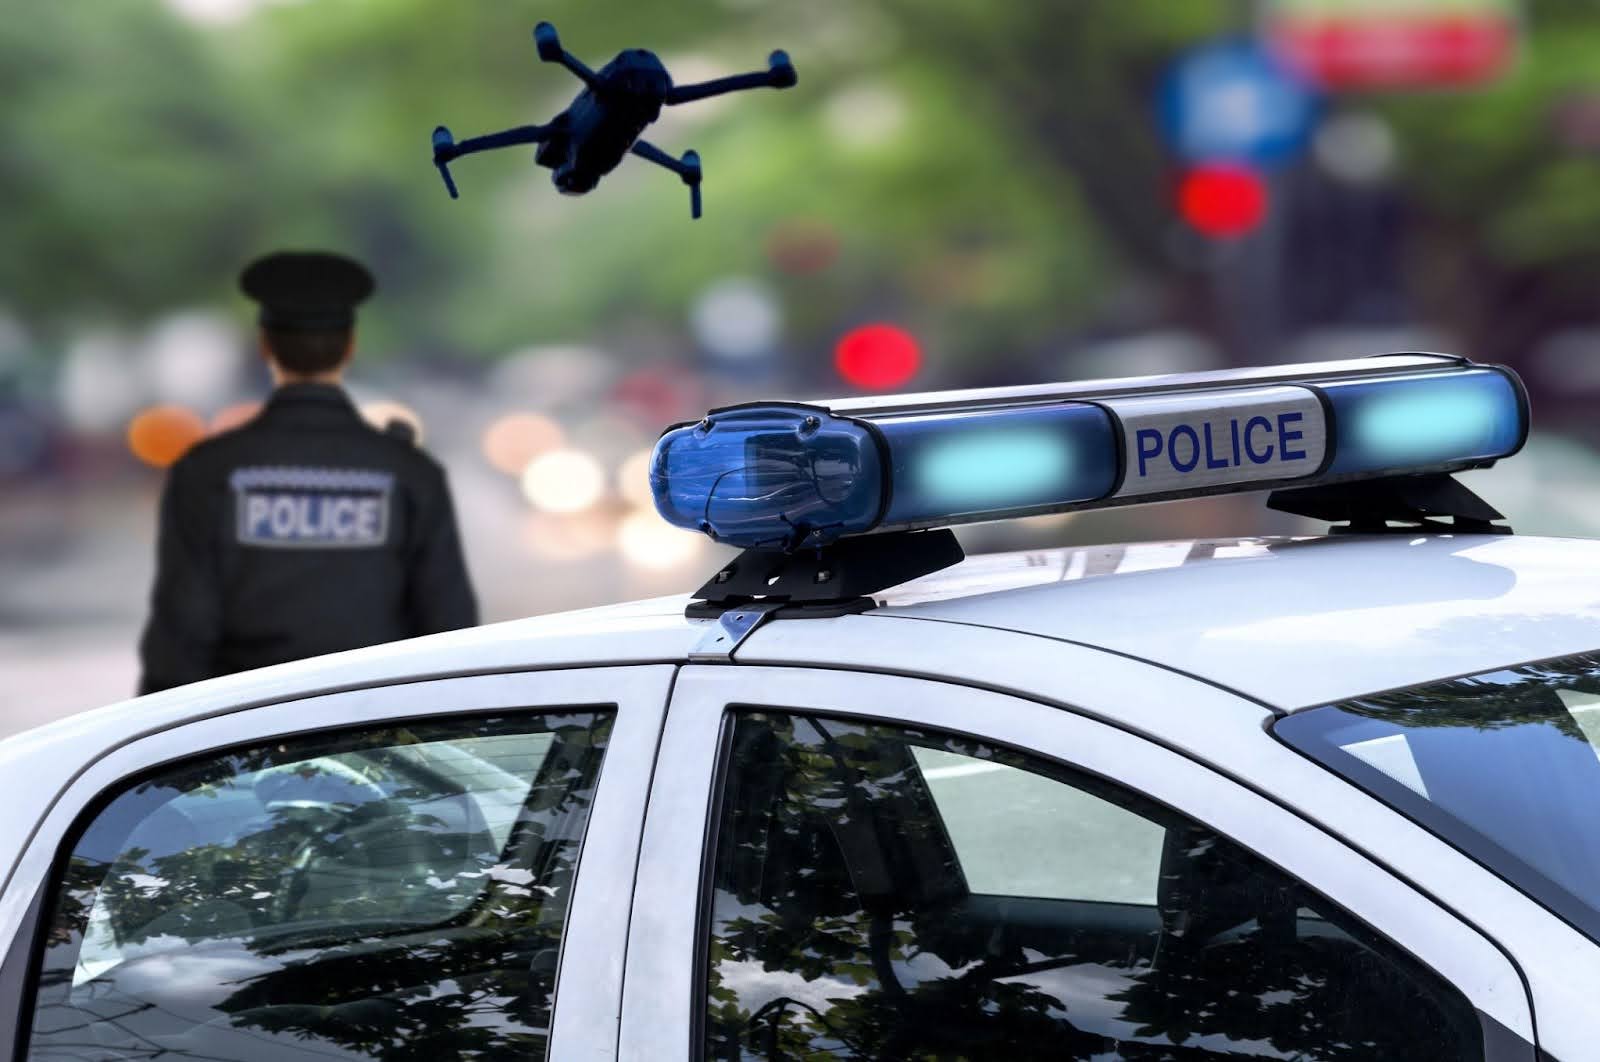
(305, 531)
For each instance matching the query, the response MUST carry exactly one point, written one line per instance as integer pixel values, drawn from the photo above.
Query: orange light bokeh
(517, 438)
(160, 435)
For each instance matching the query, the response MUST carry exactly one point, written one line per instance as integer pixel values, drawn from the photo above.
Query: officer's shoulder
(400, 440)
(399, 429)
(212, 450)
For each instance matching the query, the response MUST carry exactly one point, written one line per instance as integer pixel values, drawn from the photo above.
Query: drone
(602, 124)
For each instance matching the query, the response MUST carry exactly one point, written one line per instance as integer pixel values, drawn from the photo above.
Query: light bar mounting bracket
(836, 579)
(1393, 505)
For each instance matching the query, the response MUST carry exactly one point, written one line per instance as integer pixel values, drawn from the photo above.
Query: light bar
(786, 475)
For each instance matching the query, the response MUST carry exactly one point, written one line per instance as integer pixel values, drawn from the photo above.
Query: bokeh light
(221, 12)
(99, 386)
(1222, 201)
(736, 318)
(382, 413)
(866, 116)
(192, 359)
(1358, 148)
(647, 541)
(563, 481)
(633, 480)
(563, 539)
(802, 246)
(160, 435)
(229, 417)
(552, 375)
(511, 441)
(878, 357)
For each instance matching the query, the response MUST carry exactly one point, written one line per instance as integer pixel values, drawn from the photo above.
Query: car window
(382, 894)
(1030, 843)
(880, 892)
(1503, 764)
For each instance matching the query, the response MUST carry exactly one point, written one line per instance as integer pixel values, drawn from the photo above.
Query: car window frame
(1306, 731)
(594, 937)
(663, 985)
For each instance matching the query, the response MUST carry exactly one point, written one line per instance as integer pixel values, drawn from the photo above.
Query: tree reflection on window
(843, 926)
(392, 894)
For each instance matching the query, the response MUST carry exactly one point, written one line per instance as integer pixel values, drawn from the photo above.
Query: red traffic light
(1222, 201)
(877, 357)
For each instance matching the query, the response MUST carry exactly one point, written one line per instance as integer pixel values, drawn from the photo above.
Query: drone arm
(550, 51)
(687, 168)
(573, 64)
(523, 134)
(779, 74)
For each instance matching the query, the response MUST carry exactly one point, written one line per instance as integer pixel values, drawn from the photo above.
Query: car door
(850, 864)
(434, 869)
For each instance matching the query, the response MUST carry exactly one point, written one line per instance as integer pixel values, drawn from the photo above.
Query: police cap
(306, 291)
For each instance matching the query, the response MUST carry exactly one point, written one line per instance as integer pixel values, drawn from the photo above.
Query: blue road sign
(1233, 101)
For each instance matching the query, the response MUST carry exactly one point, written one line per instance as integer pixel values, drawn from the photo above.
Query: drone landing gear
(687, 167)
(446, 150)
(443, 151)
(779, 74)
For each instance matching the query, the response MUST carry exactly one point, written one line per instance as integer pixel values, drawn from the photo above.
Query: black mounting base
(833, 580)
(1410, 503)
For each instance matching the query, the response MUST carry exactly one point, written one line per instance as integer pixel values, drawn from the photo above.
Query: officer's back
(306, 530)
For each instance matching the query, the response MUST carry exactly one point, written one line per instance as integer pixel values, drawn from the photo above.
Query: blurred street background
(957, 194)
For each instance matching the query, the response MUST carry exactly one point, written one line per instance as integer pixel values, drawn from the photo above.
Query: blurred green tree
(991, 172)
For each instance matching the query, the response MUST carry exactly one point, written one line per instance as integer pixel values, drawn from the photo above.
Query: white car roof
(1287, 622)
(1290, 622)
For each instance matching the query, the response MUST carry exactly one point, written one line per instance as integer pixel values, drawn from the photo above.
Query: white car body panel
(1296, 623)
(39, 763)
(1192, 645)
(1227, 732)
(659, 1003)
(595, 940)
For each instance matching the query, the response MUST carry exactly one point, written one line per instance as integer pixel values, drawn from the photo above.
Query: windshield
(1505, 765)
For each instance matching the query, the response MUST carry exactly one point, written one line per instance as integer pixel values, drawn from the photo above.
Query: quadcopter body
(603, 123)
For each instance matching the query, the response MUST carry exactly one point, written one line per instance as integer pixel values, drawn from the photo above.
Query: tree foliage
(991, 172)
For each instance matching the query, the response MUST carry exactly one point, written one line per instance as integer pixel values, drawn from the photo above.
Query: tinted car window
(1505, 765)
(393, 893)
(862, 909)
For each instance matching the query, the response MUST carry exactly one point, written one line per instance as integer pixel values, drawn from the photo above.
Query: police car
(1324, 798)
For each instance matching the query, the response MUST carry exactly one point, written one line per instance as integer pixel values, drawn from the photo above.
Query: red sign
(1359, 44)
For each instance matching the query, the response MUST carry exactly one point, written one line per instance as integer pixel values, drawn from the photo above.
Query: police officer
(304, 531)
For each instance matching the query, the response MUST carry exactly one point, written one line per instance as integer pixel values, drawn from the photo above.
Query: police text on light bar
(788, 475)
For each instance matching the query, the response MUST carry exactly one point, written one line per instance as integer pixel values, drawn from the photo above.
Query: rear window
(1505, 765)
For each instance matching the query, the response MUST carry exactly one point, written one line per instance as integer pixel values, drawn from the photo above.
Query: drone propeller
(780, 70)
(548, 42)
(442, 141)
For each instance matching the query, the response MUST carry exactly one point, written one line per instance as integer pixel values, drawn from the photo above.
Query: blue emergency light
(781, 476)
